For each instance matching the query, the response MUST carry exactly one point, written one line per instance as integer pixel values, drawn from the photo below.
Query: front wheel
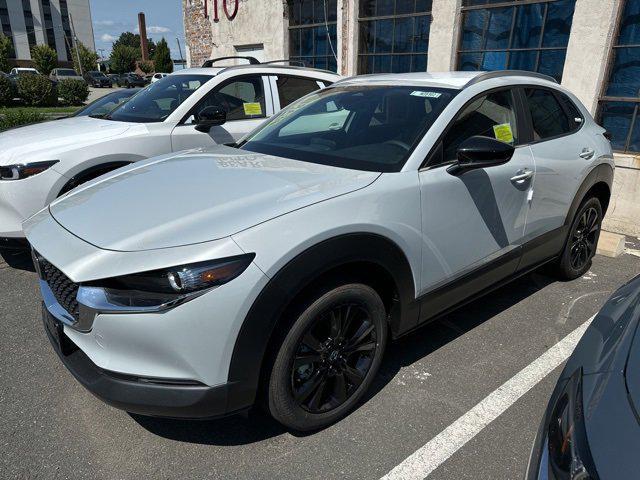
(582, 242)
(329, 358)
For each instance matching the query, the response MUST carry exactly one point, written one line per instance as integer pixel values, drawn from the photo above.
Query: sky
(112, 17)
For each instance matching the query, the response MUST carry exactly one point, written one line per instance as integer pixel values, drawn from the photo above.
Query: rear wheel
(582, 241)
(329, 358)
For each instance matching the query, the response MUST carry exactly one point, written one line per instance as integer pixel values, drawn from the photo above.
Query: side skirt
(518, 262)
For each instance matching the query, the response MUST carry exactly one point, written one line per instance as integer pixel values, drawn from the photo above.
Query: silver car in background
(199, 283)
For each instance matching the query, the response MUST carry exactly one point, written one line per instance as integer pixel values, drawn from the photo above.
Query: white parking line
(434, 453)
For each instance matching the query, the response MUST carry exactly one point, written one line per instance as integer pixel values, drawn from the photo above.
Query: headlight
(160, 289)
(18, 172)
(566, 454)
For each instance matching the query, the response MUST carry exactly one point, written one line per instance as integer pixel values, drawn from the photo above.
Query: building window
(618, 106)
(66, 27)
(312, 33)
(515, 35)
(28, 22)
(6, 26)
(48, 23)
(394, 35)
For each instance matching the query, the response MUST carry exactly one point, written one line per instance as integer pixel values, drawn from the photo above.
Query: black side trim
(154, 398)
(268, 309)
(443, 298)
(477, 283)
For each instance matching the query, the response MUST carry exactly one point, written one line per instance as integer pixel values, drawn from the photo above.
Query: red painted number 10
(230, 14)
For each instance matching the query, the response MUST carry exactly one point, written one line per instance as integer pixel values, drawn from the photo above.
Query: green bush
(73, 92)
(37, 91)
(16, 118)
(7, 91)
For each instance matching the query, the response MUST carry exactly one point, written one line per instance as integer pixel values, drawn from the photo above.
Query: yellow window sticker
(503, 132)
(252, 109)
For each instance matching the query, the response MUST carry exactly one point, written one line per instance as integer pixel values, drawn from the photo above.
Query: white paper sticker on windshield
(420, 93)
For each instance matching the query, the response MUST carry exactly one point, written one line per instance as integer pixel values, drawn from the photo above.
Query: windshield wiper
(97, 115)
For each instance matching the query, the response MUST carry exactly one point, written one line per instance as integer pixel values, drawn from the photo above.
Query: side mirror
(481, 152)
(210, 116)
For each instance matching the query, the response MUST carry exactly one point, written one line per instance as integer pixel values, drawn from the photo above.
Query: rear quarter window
(547, 115)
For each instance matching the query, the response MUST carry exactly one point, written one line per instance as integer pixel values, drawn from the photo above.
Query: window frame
(603, 97)
(291, 27)
(394, 16)
(556, 95)
(275, 93)
(508, 50)
(268, 98)
(524, 131)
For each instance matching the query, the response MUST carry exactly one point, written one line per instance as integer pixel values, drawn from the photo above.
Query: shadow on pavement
(19, 259)
(243, 430)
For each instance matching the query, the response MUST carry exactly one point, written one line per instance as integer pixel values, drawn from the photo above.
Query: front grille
(62, 287)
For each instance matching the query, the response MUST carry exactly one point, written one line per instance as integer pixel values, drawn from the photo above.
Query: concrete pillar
(592, 30)
(348, 37)
(58, 32)
(443, 36)
(18, 29)
(38, 23)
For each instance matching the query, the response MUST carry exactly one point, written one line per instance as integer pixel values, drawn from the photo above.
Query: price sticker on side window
(252, 109)
(503, 132)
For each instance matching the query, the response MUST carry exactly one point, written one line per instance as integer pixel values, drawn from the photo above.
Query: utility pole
(180, 50)
(75, 44)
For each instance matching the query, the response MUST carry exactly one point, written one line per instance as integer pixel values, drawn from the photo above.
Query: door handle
(587, 153)
(522, 175)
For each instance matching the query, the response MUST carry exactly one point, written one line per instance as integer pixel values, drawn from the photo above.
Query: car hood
(43, 141)
(197, 196)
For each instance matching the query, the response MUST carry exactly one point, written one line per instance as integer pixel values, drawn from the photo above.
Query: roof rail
(297, 63)
(270, 65)
(508, 73)
(210, 62)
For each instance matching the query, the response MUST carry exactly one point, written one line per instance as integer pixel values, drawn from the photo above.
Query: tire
(581, 245)
(341, 336)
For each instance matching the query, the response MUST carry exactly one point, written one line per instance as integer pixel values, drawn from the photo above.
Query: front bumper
(144, 396)
(20, 199)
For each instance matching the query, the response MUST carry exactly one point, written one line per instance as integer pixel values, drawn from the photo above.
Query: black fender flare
(603, 173)
(91, 173)
(261, 322)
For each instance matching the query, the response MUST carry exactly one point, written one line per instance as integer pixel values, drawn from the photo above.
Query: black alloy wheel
(583, 243)
(328, 358)
(333, 358)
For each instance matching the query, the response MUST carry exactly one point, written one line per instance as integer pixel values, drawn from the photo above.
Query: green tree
(146, 67)
(88, 58)
(162, 57)
(6, 47)
(133, 40)
(123, 59)
(44, 58)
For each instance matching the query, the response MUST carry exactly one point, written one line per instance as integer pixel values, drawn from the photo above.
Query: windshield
(159, 100)
(106, 104)
(371, 128)
(97, 74)
(67, 72)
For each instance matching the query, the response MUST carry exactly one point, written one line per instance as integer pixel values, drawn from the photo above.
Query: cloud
(154, 29)
(104, 23)
(108, 38)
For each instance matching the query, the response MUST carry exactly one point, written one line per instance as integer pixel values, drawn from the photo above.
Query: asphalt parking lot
(51, 427)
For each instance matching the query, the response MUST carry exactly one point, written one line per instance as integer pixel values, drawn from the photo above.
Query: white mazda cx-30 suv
(191, 108)
(193, 284)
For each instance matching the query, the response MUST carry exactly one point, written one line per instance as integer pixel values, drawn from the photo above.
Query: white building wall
(80, 12)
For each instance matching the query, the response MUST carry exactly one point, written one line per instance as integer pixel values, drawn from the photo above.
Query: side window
(576, 119)
(548, 116)
(492, 115)
(243, 99)
(291, 89)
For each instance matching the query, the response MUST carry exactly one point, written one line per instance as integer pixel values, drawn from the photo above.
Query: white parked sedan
(185, 110)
